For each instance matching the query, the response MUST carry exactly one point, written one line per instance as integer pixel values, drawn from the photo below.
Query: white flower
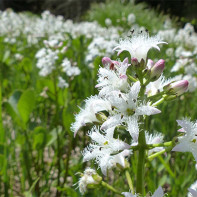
(157, 86)
(86, 179)
(139, 45)
(158, 193)
(88, 115)
(69, 69)
(127, 109)
(108, 22)
(105, 149)
(155, 138)
(188, 142)
(62, 83)
(131, 18)
(193, 190)
(113, 79)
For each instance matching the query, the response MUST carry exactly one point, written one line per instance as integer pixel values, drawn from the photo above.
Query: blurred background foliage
(38, 154)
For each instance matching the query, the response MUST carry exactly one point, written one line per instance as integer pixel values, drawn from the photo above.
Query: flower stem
(158, 102)
(129, 181)
(151, 157)
(132, 78)
(166, 144)
(141, 163)
(166, 165)
(104, 184)
(156, 95)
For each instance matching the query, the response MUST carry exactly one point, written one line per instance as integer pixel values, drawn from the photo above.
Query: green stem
(158, 102)
(166, 165)
(151, 157)
(132, 78)
(129, 181)
(104, 184)
(156, 95)
(166, 144)
(141, 163)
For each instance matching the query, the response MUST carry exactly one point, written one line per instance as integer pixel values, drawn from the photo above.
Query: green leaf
(13, 100)
(26, 104)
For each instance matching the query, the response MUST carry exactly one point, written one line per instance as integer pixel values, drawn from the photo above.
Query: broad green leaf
(26, 104)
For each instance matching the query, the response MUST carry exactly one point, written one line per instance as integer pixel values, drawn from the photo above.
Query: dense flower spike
(188, 142)
(127, 94)
(139, 45)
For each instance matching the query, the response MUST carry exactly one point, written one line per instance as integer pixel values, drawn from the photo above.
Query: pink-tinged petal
(158, 193)
(123, 77)
(147, 110)
(119, 52)
(125, 61)
(185, 124)
(181, 130)
(193, 192)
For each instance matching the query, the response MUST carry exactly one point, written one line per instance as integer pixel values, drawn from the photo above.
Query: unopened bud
(169, 97)
(101, 116)
(142, 64)
(134, 61)
(97, 178)
(157, 70)
(178, 87)
(106, 61)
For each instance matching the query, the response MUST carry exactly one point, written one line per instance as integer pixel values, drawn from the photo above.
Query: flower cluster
(123, 102)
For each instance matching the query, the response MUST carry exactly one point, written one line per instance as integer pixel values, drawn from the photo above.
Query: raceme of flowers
(123, 102)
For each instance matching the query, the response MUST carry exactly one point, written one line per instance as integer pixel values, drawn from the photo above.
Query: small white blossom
(139, 45)
(131, 18)
(188, 142)
(158, 193)
(88, 115)
(69, 69)
(113, 79)
(108, 22)
(105, 149)
(155, 138)
(86, 179)
(193, 190)
(127, 109)
(62, 83)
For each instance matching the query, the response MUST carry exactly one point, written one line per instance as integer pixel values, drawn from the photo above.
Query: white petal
(180, 148)
(111, 122)
(135, 89)
(133, 128)
(158, 193)
(147, 110)
(193, 192)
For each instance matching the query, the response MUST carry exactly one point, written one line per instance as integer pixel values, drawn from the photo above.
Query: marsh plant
(129, 92)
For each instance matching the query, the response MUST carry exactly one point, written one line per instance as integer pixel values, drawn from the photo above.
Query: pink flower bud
(106, 61)
(134, 61)
(157, 70)
(178, 87)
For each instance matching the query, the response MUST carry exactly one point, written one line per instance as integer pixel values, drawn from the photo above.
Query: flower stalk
(141, 163)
